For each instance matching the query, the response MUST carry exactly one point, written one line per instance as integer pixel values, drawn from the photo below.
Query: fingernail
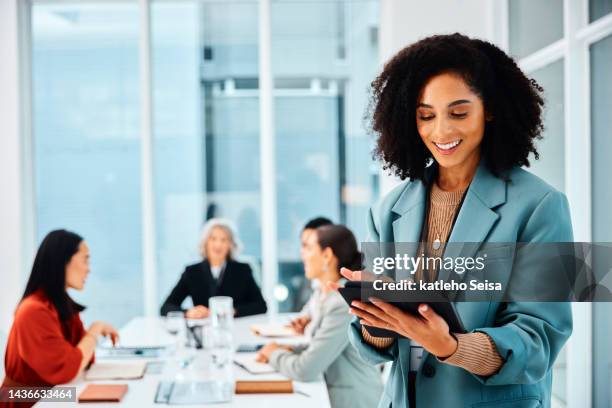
(424, 308)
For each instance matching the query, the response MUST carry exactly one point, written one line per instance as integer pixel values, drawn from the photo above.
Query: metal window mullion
(267, 158)
(597, 30)
(28, 193)
(497, 27)
(544, 56)
(149, 260)
(578, 188)
(12, 253)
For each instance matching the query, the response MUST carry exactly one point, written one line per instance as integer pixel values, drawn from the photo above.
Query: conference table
(141, 392)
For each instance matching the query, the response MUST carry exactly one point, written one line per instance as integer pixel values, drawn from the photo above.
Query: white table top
(141, 393)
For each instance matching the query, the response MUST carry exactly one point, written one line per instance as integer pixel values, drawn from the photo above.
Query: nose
(442, 129)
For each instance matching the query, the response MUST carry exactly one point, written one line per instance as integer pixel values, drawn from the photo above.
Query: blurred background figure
(219, 274)
(48, 344)
(351, 382)
(305, 290)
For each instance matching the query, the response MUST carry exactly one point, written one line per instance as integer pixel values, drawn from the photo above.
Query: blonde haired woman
(219, 274)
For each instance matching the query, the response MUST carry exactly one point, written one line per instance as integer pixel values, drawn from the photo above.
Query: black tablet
(362, 290)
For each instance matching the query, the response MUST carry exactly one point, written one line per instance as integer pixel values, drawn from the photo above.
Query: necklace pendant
(437, 244)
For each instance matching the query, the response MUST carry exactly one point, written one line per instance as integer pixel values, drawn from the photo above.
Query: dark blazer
(236, 281)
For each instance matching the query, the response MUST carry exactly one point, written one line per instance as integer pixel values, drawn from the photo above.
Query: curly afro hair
(512, 100)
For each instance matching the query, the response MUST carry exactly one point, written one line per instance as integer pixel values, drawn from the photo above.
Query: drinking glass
(221, 312)
(175, 322)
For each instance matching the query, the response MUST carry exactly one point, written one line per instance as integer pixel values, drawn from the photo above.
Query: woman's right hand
(104, 329)
(87, 345)
(354, 276)
(299, 324)
(197, 312)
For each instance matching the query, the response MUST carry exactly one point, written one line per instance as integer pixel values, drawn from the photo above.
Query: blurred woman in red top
(47, 344)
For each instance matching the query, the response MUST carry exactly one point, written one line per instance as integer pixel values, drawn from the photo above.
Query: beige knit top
(476, 351)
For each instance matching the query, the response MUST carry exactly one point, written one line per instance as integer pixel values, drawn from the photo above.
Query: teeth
(448, 146)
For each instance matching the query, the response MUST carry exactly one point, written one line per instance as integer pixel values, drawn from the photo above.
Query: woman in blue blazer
(458, 119)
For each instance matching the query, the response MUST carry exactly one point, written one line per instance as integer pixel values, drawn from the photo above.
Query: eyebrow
(450, 105)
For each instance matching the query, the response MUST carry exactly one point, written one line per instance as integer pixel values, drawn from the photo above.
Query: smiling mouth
(448, 147)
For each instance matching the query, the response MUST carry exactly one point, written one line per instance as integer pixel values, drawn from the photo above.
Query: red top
(41, 350)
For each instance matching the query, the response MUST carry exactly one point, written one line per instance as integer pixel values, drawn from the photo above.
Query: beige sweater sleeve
(475, 353)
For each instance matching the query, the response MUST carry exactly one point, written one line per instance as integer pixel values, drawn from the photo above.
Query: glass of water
(221, 312)
(219, 351)
(175, 322)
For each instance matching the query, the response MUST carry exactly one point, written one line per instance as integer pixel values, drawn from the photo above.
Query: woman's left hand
(263, 355)
(429, 330)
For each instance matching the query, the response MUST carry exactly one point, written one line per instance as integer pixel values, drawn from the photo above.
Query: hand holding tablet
(359, 290)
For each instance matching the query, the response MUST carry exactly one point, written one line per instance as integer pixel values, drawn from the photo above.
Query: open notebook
(247, 362)
(116, 370)
(273, 330)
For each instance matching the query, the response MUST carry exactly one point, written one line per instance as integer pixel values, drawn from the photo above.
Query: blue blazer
(528, 336)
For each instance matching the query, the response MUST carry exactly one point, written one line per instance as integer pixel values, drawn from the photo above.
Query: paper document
(248, 363)
(273, 330)
(116, 371)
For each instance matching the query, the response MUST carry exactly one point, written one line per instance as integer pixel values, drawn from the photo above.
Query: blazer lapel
(409, 211)
(220, 281)
(209, 280)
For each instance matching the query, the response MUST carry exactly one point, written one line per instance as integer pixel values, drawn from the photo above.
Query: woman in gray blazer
(350, 381)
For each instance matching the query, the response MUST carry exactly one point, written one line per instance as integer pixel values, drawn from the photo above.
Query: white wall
(11, 186)
(403, 22)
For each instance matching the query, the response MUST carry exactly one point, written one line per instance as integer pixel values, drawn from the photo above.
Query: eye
(459, 115)
(426, 117)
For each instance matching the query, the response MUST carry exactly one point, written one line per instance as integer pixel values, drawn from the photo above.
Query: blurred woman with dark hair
(350, 381)
(48, 344)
